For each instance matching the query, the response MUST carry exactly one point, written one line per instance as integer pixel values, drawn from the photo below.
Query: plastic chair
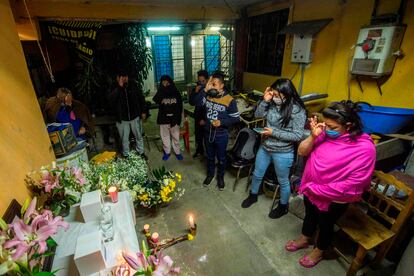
(185, 134)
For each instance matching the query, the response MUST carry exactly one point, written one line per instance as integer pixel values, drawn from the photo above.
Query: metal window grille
(163, 60)
(177, 50)
(212, 53)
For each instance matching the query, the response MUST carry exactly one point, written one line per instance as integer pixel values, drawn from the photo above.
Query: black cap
(122, 73)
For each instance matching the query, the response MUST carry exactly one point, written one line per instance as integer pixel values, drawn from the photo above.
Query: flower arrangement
(145, 263)
(62, 186)
(27, 240)
(161, 189)
(147, 189)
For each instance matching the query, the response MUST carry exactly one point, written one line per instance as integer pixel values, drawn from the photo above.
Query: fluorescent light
(164, 28)
(148, 42)
(192, 42)
(216, 28)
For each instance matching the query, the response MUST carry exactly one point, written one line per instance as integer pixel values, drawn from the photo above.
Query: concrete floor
(230, 240)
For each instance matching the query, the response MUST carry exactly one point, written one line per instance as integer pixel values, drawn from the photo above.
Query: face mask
(213, 93)
(277, 100)
(332, 133)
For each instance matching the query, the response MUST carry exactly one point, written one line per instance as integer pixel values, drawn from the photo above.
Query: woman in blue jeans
(286, 116)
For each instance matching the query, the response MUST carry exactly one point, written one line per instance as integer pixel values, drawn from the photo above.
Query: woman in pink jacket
(340, 163)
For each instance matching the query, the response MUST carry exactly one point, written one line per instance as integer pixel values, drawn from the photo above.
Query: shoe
(279, 211)
(292, 246)
(143, 156)
(179, 157)
(249, 201)
(308, 263)
(220, 183)
(208, 180)
(165, 156)
(197, 154)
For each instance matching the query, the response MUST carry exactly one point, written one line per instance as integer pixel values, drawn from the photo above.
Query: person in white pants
(169, 116)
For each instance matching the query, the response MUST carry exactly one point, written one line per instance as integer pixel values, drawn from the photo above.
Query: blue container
(384, 120)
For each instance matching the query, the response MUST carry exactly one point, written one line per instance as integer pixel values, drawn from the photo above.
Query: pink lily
(165, 266)
(77, 172)
(139, 263)
(50, 182)
(31, 210)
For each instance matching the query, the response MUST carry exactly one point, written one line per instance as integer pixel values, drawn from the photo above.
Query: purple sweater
(338, 170)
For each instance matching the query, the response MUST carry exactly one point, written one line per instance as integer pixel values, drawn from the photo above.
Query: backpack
(246, 145)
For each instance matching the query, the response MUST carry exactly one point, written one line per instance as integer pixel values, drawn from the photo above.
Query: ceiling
(234, 4)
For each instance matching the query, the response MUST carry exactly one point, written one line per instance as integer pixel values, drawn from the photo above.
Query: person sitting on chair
(341, 160)
(286, 116)
(64, 109)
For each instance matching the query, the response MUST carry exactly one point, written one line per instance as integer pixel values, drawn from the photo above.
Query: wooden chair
(378, 227)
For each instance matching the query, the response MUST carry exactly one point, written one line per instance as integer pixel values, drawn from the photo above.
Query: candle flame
(112, 189)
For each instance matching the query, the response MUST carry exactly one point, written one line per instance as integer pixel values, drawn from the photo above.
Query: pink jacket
(338, 170)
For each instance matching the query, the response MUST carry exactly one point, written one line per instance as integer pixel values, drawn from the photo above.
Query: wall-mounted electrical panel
(377, 49)
(302, 48)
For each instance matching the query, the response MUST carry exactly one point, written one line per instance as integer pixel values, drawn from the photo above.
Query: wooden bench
(380, 224)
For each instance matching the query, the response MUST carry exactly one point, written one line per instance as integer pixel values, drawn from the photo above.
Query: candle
(113, 192)
(146, 228)
(53, 165)
(191, 219)
(155, 237)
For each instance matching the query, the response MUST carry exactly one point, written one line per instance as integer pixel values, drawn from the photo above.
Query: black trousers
(199, 136)
(324, 219)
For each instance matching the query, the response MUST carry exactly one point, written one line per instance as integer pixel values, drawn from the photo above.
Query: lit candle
(113, 193)
(53, 165)
(155, 237)
(146, 228)
(191, 219)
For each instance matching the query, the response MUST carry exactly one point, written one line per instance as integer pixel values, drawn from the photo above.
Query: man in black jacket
(129, 104)
(199, 113)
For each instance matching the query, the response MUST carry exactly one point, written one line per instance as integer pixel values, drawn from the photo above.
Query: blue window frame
(163, 57)
(212, 53)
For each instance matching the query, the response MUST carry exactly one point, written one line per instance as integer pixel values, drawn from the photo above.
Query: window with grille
(212, 53)
(169, 56)
(265, 45)
(197, 52)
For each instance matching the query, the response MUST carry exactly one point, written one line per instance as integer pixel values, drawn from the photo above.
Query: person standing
(221, 113)
(169, 116)
(129, 105)
(199, 113)
(285, 121)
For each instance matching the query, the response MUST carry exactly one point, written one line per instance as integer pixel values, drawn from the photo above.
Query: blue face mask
(332, 133)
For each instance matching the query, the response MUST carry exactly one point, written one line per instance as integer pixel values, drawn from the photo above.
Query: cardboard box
(62, 137)
(91, 205)
(90, 254)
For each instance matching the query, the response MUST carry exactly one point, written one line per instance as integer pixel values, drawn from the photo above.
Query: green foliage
(134, 54)
(90, 80)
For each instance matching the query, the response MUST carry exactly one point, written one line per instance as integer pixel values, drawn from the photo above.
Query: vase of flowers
(27, 240)
(59, 186)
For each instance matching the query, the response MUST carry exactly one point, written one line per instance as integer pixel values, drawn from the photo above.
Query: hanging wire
(46, 62)
(228, 6)
(296, 71)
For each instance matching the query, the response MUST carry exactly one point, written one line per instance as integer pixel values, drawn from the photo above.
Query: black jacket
(170, 105)
(199, 111)
(128, 103)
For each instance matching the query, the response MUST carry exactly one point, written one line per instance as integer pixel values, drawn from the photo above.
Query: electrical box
(377, 49)
(302, 48)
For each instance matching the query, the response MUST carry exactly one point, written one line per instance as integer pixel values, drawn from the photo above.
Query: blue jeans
(282, 161)
(217, 147)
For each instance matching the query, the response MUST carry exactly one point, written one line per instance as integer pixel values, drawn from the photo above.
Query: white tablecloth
(125, 238)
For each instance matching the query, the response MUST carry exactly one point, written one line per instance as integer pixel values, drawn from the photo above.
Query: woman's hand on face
(267, 131)
(268, 94)
(316, 128)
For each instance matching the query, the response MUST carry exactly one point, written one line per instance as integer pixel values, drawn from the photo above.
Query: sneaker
(249, 201)
(165, 156)
(197, 154)
(220, 183)
(179, 157)
(279, 211)
(208, 180)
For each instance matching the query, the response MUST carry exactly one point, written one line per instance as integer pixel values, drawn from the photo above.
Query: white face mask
(277, 100)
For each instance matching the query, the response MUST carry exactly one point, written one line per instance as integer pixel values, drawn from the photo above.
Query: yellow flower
(143, 197)
(190, 237)
(179, 177)
(172, 184)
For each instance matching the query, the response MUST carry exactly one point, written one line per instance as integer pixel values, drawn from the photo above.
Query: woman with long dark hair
(169, 116)
(286, 117)
(341, 160)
